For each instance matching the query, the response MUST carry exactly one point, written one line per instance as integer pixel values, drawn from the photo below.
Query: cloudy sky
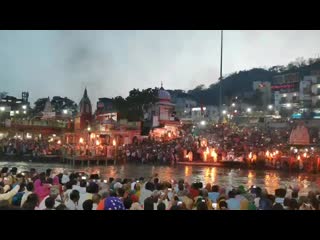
(111, 63)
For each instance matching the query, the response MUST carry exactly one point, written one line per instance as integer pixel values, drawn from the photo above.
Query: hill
(236, 84)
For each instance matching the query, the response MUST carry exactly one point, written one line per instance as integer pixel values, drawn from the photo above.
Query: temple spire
(161, 85)
(85, 92)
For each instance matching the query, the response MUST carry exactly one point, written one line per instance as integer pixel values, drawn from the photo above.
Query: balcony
(285, 100)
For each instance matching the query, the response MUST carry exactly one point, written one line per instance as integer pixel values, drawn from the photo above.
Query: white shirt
(42, 205)
(65, 179)
(24, 197)
(71, 205)
(83, 197)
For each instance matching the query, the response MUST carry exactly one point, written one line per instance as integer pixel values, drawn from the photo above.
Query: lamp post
(220, 89)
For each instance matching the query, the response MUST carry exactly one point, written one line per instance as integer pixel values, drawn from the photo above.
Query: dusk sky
(111, 63)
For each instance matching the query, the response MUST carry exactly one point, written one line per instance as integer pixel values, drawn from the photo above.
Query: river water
(270, 180)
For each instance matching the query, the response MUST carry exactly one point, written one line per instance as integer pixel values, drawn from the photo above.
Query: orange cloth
(101, 205)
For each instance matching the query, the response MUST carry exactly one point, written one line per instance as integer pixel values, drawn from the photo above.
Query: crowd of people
(30, 190)
(250, 146)
(31, 147)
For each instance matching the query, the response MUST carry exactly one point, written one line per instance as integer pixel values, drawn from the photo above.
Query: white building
(310, 91)
(207, 113)
(183, 107)
(288, 100)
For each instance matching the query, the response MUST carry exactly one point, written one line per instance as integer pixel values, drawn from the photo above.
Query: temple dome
(164, 95)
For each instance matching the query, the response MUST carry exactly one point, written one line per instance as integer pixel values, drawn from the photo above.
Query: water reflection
(270, 180)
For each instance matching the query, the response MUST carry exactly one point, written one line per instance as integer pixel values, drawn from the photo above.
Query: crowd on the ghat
(30, 190)
(225, 142)
(32, 147)
(212, 143)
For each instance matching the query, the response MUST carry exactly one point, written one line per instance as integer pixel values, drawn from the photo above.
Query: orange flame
(267, 153)
(214, 155)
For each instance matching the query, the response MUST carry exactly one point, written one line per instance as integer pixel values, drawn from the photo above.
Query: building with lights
(285, 90)
(14, 107)
(205, 113)
(165, 124)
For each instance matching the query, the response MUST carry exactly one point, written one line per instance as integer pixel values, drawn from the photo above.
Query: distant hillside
(237, 83)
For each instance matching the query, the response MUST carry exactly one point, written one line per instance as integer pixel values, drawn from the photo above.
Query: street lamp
(89, 129)
(220, 89)
(24, 107)
(65, 111)
(248, 110)
(203, 123)
(224, 112)
(288, 105)
(2, 109)
(270, 107)
(233, 104)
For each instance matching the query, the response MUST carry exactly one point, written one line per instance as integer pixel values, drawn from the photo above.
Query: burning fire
(267, 154)
(214, 155)
(189, 156)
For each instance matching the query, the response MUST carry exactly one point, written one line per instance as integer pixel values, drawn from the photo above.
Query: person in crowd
(28, 190)
(73, 202)
(213, 193)
(113, 203)
(49, 203)
(41, 187)
(148, 204)
(223, 205)
(54, 194)
(233, 203)
(96, 198)
(87, 205)
(161, 206)
(32, 202)
(61, 207)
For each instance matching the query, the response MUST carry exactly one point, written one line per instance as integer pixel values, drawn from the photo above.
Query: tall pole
(220, 92)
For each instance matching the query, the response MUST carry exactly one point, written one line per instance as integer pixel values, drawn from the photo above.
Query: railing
(39, 123)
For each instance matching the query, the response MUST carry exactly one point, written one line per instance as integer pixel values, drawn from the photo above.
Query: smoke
(85, 64)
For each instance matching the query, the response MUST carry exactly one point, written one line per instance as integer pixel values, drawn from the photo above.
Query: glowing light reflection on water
(270, 180)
